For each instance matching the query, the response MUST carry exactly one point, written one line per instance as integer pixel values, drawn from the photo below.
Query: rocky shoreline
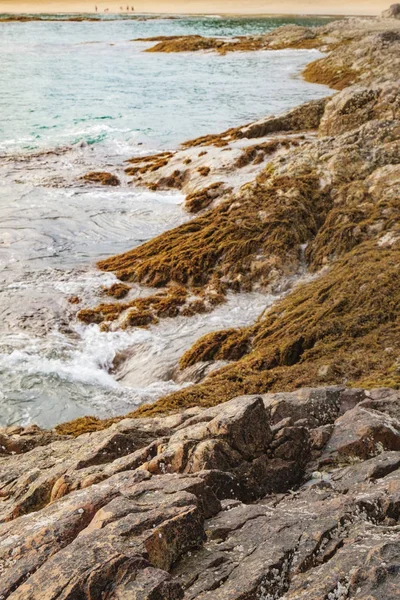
(312, 191)
(276, 477)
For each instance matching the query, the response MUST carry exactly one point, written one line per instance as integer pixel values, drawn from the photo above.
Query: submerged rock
(102, 178)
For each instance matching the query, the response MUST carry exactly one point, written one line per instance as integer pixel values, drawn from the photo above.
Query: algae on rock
(343, 327)
(328, 205)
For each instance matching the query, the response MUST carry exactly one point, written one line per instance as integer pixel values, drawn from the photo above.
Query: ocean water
(83, 96)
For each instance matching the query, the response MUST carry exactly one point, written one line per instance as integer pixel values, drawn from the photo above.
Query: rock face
(393, 12)
(357, 105)
(288, 495)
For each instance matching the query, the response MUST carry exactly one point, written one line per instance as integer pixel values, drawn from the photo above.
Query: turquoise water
(76, 97)
(67, 82)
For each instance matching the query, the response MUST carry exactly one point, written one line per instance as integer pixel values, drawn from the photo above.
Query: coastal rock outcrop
(393, 12)
(270, 496)
(357, 105)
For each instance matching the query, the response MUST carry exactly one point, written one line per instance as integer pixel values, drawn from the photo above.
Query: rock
(292, 444)
(130, 524)
(102, 178)
(17, 440)
(316, 406)
(362, 433)
(320, 436)
(225, 438)
(322, 185)
(356, 105)
(147, 584)
(117, 290)
(302, 546)
(13, 430)
(197, 372)
(384, 401)
(157, 508)
(291, 495)
(372, 469)
(304, 117)
(392, 13)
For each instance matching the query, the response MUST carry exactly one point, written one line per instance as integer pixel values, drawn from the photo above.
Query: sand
(249, 7)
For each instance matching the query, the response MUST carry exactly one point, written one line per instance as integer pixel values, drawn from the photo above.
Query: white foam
(88, 362)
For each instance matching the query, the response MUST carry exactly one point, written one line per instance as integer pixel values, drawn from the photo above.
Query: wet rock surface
(288, 495)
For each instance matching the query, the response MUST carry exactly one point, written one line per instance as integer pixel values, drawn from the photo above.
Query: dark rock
(320, 436)
(316, 406)
(362, 433)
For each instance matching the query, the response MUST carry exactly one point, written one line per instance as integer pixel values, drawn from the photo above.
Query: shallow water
(67, 82)
(78, 97)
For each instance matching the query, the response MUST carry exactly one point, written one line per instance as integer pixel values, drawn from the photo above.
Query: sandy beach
(250, 7)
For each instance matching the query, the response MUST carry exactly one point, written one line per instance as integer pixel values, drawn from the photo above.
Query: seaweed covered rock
(367, 57)
(102, 178)
(253, 486)
(327, 206)
(241, 240)
(202, 199)
(189, 43)
(117, 290)
(323, 331)
(145, 164)
(196, 43)
(327, 195)
(305, 117)
(345, 211)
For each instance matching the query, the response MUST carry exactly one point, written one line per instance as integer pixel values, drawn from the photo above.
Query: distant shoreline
(223, 8)
(93, 16)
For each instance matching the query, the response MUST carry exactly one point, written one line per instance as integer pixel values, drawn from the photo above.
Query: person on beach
(96, 8)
